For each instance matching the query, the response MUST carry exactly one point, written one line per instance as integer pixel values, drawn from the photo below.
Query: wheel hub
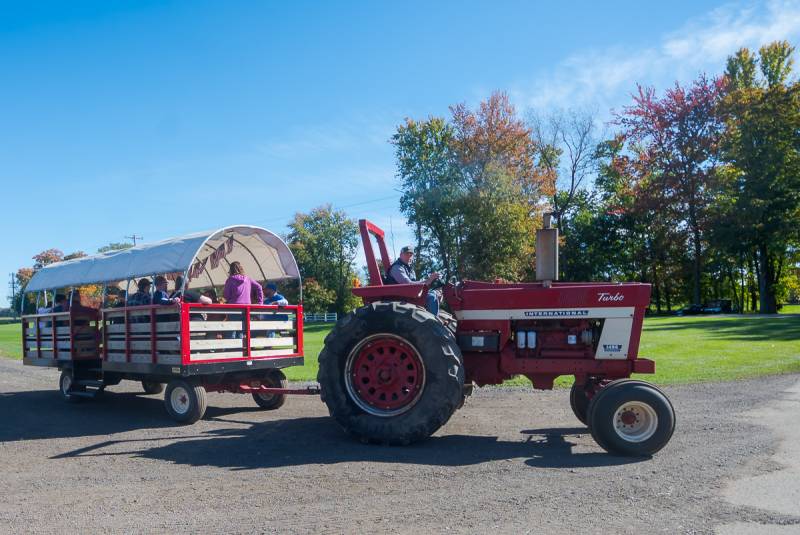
(385, 375)
(635, 421)
(628, 417)
(180, 400)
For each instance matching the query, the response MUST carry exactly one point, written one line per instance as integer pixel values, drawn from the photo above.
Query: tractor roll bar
(367, 228)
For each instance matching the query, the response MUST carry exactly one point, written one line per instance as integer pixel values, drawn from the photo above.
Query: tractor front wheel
(630, 417)
(391, 373)
(579, 402)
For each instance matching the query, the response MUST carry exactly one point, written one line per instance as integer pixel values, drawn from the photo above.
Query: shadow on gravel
(304, 441)
(43, 414)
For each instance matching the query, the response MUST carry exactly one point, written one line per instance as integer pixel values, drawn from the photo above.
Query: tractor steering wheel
(435, 285)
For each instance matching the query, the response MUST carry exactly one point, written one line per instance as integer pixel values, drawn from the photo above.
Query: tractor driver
(401, 272)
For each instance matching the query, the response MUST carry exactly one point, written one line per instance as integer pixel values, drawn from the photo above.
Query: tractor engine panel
(556, 338)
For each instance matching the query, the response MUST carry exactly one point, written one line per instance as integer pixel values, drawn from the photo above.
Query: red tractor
(391, 372)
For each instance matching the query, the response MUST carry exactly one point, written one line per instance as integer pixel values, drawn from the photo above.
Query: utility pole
(133, 237)
(13, 287)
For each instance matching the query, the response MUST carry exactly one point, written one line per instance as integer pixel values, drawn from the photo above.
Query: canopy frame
(138, 261)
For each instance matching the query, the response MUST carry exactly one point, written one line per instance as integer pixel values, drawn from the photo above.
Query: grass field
(686, 350)
(11, 340)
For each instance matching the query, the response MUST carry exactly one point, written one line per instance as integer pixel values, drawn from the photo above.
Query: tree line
(695, 190)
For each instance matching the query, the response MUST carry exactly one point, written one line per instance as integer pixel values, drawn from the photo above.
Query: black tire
(66, 387)
(185, 402)
(270, 402)
(579, 402)
(448, 320)
(152, 387)
(431, 400)
(653, 418)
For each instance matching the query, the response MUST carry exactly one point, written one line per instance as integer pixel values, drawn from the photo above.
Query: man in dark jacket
(401, 272)
(142, 297)
(161, 297)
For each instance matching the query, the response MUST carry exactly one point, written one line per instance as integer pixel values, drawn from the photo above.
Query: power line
(335, 207)
(133, 237)
(13, 287)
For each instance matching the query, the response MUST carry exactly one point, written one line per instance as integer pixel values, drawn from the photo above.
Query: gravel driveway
(512, 461)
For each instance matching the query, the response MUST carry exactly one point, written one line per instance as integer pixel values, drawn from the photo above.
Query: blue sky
(163, 118)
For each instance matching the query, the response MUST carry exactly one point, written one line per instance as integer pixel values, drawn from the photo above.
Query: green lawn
(313, 337)
(11, 340)
(686, 350)
(709, 348)
(790, 309)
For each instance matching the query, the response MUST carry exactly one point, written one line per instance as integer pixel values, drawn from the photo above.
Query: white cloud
(605, 78)
(315, 140)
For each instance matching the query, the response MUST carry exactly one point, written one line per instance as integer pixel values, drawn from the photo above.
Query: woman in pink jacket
(238, 290)
(239, 287)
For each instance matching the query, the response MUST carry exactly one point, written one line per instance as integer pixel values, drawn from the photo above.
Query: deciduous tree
(761, 144)
(678, 137)
(565, 146)
(470, 189)
(324, 243)
(114, 246)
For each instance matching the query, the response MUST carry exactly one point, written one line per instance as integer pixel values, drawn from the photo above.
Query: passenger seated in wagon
(115, 298)
(61, 303)
(142, 297)
(272, 297)
(161, 297)
(77, 307)
(187, 296)
(241, 289)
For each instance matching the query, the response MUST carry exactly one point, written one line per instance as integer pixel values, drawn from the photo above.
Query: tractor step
(86, 393)
(90, 382)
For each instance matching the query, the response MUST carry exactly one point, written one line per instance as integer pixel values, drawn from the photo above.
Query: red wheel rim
(385, 375)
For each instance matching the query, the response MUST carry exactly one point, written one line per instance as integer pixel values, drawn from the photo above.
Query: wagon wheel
(185, 402)
(270, 402)
(67, 387)
(152, 387)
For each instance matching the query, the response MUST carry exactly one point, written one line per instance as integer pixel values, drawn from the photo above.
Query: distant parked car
(719, 306)
(690, 310)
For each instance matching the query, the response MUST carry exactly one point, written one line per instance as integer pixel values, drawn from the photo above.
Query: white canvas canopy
(205, 257)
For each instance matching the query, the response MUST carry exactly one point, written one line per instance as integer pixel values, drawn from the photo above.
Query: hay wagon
(192, 347)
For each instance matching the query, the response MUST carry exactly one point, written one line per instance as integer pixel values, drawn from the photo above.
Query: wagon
(189, 346)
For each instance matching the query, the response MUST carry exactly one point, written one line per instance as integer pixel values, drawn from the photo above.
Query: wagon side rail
(147, 334)
(194, 333)
(52, 338)
(221, 332)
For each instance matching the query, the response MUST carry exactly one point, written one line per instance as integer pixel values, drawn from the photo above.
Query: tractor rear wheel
(630, 417)
(391, 373)
(270, 402)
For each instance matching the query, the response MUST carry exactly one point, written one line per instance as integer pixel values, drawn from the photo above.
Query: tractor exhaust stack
(547, 251)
